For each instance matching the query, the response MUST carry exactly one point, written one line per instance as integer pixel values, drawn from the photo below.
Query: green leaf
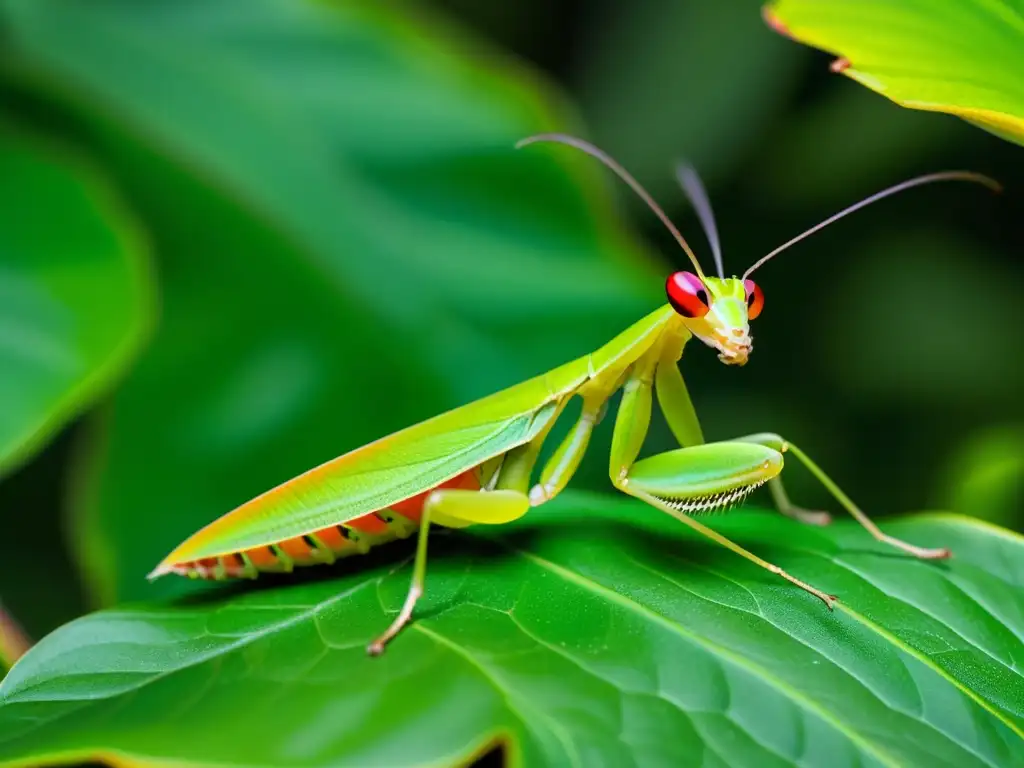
(74, 292)
(594, 631)
(349, 242)
(963, 57)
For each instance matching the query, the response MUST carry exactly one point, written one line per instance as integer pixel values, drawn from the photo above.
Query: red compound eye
(755, 299)
(686, 294)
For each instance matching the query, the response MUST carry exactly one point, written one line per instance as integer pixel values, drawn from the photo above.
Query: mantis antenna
(992, 184)
(698, 196)
(622, 173)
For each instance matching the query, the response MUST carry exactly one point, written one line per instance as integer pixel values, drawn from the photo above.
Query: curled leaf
(963, 58)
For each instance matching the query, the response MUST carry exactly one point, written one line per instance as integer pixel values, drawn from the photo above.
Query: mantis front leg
(689, 479)
(682, 420)
(702, 476)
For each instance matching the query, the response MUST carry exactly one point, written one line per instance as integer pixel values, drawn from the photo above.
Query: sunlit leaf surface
(593, 632)
(961, 57)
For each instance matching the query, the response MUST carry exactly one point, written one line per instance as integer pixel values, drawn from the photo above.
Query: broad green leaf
(963, 57)
(74, 292)
(593, 632)
(349, 242)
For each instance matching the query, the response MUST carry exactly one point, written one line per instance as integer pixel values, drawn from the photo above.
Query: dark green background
(889, 345)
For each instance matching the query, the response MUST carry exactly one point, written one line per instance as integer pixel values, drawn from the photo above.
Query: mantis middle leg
(496, 506)
(507, 501)
(458, 508)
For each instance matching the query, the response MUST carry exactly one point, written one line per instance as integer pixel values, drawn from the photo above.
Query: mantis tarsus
(476, 464)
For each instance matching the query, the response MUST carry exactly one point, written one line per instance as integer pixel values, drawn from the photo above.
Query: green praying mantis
(476, 464)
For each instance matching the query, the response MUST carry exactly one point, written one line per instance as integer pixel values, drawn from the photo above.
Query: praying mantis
(476, 464)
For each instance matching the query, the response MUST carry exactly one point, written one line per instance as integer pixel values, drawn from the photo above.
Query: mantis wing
(388, 470)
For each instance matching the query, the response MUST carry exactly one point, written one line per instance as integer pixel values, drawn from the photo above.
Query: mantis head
(718, 310)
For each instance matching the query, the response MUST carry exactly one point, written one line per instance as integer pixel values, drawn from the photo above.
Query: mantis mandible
(476, 464)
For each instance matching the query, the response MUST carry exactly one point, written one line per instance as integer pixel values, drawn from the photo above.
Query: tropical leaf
(349, 241)
(964, 57)
(593, 632)
(74, 292)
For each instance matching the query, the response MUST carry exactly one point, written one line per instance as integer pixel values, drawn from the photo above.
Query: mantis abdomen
(325, 546)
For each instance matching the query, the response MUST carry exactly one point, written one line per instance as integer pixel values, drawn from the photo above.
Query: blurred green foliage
(343, 241)
(327, 259)
(75, 293)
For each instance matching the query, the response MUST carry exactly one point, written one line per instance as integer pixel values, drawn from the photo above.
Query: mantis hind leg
(678, 409)
(776, 442)
(458, 508)
(452, 506)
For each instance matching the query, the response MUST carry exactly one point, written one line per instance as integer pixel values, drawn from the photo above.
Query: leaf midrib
(579, 580)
